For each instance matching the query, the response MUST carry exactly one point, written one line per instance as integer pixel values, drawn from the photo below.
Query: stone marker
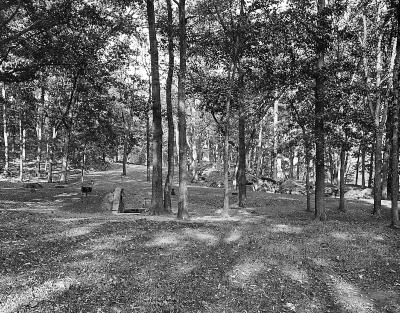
(118, 204)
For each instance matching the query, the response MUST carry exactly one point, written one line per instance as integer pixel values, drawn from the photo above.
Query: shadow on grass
(150, 266)
(276, 261)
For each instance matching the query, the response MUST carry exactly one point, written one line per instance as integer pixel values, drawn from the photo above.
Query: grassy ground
(61, 253)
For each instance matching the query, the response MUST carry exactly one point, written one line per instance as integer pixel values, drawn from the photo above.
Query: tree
(319, 115)
(5, 131)
(170, 117)
(242, 117)
(157, 192)
(183, 212)
(395, 128)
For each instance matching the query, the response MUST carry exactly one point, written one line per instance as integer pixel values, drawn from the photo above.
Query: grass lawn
(61, 253)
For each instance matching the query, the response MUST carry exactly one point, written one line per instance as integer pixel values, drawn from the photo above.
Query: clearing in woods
(59, 252)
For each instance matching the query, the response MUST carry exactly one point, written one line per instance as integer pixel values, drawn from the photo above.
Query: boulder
(359, 194)
(292, 186)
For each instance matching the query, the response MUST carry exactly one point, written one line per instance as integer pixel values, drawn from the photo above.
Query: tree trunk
(385, 166)
(170, 118)
(148, 163)
(291, 163)
(22, 140)
(378, 173)
(125, 155)
(307, 158)
(357, 165)
(371, 166)
(39, 129)
(183, 212)
(319, 121)
(126, 143)
(259, 150)
(363, 152)
(225, 212)
(157, 192)
(6, 170)
(83, 165)
(46, 161)
(242, 150)
(342, 204)
(395, 130)
(298, 165)
(380, 114)
(64, 164)
(275, 141)
(242, 159)
(52, 142)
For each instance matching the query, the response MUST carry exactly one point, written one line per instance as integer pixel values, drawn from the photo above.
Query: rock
(359, 194)
(292, 186)
(118, 204)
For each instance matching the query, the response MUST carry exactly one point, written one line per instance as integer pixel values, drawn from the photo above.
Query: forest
(208, 116)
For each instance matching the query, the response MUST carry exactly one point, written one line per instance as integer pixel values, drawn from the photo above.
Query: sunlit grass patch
(243, 272)
(36, 294)
(295, 273)
(283, 228)
(349, 296)
(164, 239)
(233, 236)
(201, 236)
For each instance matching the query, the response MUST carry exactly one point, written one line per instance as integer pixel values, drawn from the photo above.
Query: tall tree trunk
(395, 130)
(319, 120)
(125, 156)
(291, 163)
(298, 165)
(342, 204)
(259, 151)
(385, 166)
(183, 211)
(148, 163)
(52, 142)
(39, 149)
(126, 143)
(83, 164)
(39, 128)
(307, 159)
(225, 211)
(242, 160)
(64, 162)
(275, 141)
(170, 117)
(6, 170)
(380, 116)
(242, 150)
(46, 160)
(378, 164)
(157, 192)
(371, 166)
(22, 141)
(357, 166)
(363, 167)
